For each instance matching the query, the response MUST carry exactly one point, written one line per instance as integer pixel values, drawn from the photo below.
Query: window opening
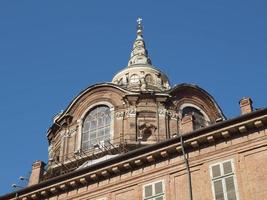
(199, 119)
(223, 181)
(96, 127)
(154, 191)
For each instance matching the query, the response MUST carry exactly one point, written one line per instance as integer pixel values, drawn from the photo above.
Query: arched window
(120, 81)
(134, 79)
(96, 126)
(199, 119)
(149, 78)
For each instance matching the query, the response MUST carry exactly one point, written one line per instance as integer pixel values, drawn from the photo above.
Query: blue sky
(51, 50)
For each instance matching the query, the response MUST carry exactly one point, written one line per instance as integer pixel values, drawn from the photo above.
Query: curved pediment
(108, 93)
(190, 95)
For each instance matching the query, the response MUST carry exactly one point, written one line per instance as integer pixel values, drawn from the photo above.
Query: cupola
(140, 74)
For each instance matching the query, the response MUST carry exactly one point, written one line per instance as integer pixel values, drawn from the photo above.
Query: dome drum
(142, 78)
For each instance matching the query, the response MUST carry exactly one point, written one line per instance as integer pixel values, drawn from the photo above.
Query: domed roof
(140, 74)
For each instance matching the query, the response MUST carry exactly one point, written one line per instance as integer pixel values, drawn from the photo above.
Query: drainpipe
(157, 113)
(187, 169)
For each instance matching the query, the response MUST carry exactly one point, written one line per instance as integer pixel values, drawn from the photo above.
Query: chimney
(245, 105)
(187, 124)
(37, 172)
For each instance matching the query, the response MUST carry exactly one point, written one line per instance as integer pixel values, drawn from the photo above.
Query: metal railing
(71, 161)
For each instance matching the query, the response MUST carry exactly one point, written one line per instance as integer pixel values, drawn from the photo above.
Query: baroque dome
(140, 74)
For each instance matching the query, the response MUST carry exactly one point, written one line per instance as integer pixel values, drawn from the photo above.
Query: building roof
(248, 120)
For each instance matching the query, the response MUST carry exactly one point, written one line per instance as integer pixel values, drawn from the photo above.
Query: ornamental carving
(162, 112)
(130, 112)
(173, 114)
(145, 131)
(70, 132)
(119, 114)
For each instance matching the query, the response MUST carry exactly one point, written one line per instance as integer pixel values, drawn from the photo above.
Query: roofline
(80, 94)
(202, 90)
(90, 88)
(136, 153)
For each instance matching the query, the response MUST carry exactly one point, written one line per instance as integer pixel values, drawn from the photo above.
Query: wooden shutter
(227, 167)
(218, 190)
(154, 191)
(158, 188)
(230, 188)
(148, 191)
(223, 180)
(216, 171)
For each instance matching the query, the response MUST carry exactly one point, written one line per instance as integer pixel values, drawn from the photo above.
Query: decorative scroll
(130, 112)
(173, 115)
(163, 112)
(119, 115)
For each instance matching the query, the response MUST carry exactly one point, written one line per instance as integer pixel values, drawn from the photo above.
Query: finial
(139, 20)
(139, 53)
(139, 26)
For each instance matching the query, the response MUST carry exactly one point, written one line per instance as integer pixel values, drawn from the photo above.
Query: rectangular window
(223, 181)
(154, 191)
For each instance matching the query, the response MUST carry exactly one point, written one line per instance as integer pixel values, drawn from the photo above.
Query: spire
(140, 75)
(139, 53)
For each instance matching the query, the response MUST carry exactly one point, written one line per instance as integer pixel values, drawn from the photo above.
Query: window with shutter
(154, 191)
(223, 181)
